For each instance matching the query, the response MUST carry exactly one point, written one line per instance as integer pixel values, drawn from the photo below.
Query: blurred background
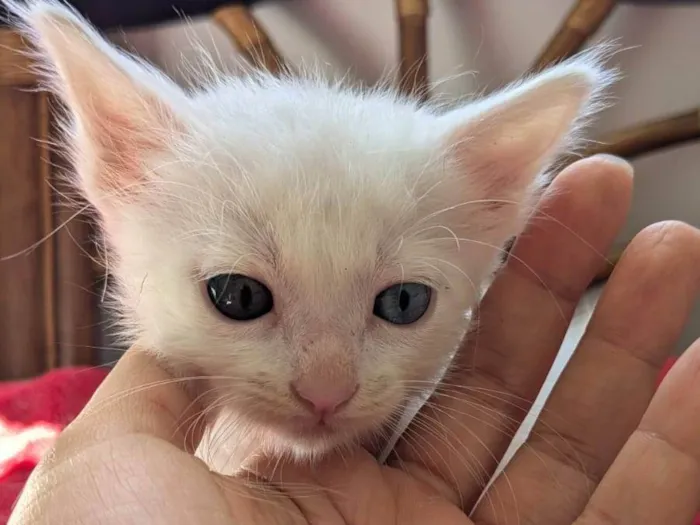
(50, 297)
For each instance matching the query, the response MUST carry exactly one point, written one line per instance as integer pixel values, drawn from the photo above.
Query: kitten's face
(309, 251)
(370, 255)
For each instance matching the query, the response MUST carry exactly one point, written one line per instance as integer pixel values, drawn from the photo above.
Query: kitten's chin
(307, 436)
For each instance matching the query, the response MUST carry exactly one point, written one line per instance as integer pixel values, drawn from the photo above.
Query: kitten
(312, 250)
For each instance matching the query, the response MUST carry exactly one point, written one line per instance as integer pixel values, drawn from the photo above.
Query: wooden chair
(49, 298)
(48, 312)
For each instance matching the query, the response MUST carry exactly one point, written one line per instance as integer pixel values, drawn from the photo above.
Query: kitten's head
(313, 250)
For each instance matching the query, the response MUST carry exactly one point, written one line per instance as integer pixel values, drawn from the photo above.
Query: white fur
(325, 193)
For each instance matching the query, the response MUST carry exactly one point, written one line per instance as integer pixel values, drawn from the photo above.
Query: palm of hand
(160, 483)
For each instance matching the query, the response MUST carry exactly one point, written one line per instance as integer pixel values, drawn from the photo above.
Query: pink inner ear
(119, 146)
(495, 166)
(122, 145)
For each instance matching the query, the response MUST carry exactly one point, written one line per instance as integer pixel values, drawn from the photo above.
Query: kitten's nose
(323, 399)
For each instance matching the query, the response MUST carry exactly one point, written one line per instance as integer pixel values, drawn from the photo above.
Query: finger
(139, 396)
(607, 386)
(469, 423)
(656, 477)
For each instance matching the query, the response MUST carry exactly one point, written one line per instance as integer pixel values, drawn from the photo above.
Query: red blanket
(33, 412)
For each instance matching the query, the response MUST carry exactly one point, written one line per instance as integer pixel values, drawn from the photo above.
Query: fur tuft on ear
(122, 109)
(505, 145)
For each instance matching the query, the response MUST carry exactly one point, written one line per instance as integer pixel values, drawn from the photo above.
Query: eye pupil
(246, 297)
(403, 303)
(239, 297)
(404, 299)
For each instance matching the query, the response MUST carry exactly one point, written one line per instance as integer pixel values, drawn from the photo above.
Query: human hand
(603, 452)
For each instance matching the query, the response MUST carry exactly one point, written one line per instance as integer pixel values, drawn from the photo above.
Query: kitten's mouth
(318, 429)
(315, 425)
(336, 429)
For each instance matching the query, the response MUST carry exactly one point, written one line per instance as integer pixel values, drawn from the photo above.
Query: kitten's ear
(118, 104)
(503, 145)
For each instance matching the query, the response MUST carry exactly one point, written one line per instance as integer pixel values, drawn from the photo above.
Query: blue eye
(239, 297)
(403, 303)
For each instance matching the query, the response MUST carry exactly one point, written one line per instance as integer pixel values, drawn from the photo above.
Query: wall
(498, 39)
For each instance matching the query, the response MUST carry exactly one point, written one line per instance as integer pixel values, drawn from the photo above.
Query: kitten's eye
(403, 303)
(239, 297)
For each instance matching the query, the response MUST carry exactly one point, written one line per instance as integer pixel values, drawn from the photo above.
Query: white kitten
(313, 250)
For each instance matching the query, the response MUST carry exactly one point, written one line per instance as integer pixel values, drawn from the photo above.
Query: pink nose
(323, 399)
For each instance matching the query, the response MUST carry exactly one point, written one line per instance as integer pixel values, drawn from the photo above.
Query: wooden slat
(15, 64)
(645, 138)
(650, 136)
(47, 220)
(583, 20)
(413, 42)
(250, 37)
(24, 325)
(48, 314)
